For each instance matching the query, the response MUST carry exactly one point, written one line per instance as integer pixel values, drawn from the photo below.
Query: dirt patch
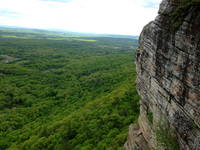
(7, 59)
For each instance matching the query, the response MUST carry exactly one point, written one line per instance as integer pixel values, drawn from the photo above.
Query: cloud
(62, 1)
(99, 16)
(9, 13)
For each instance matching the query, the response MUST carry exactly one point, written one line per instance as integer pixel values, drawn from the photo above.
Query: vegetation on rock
(166, 137)
(150, 116)
(179, 13)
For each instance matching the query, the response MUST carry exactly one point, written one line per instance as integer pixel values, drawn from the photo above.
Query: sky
(91, 16)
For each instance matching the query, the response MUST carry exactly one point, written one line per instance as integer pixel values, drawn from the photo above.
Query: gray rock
(168, 79)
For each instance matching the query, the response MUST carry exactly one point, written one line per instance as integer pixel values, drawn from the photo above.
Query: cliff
(168, 80)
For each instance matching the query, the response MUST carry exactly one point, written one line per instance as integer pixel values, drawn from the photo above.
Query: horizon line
(64, 30)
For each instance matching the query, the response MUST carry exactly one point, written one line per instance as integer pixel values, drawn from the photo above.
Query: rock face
(168, 80)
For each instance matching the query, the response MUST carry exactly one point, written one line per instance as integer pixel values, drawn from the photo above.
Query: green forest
(62, 91)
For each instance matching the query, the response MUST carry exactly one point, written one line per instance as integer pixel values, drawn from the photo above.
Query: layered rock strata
(168, 80)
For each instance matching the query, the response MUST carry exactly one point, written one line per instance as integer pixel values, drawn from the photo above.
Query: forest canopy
(66, 92)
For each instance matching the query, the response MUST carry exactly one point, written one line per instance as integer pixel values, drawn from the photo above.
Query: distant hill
(63, 32)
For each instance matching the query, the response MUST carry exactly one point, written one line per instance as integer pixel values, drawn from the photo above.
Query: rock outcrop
(168, 80)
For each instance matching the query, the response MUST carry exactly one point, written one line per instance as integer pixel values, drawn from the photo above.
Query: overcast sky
(97, 16)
